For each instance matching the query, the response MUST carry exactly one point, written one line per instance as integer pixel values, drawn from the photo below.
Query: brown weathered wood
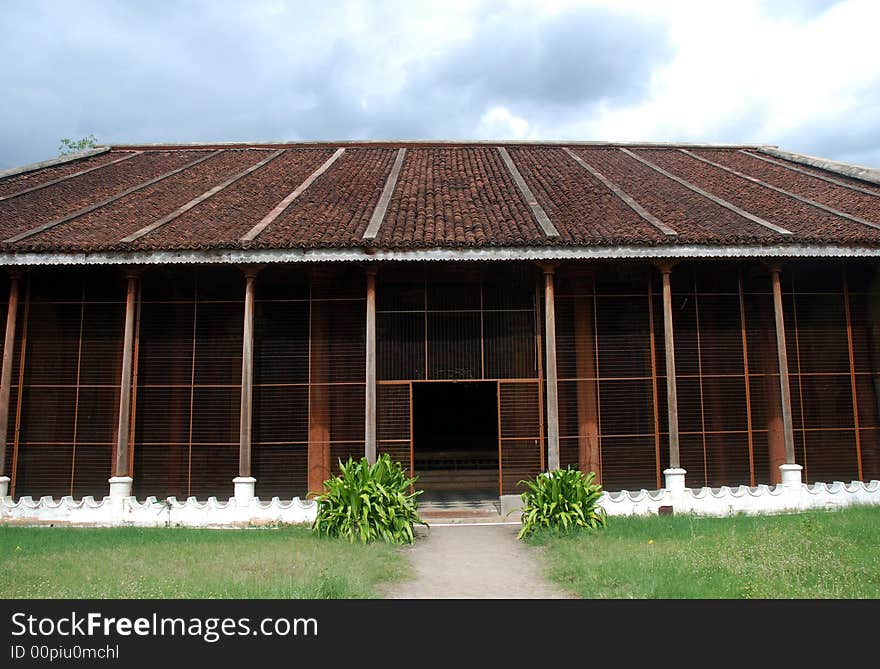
(247, 375)
(22, 359)
(370, 418)
(852, 375)
(539, 356)
(745, 352)
(6, 371)
(671, 390)
(587, 404)
(655, 399)
(319, 403)
(782, 357)
(123, 430)
(552, 390)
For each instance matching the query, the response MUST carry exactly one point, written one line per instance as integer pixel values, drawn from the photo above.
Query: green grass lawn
(41, 562)
(810, 555)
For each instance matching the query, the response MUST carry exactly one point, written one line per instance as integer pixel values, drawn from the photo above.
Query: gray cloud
(216, 70)
(205, 71)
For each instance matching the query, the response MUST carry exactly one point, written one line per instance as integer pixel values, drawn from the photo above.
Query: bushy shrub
(369, 502)
(562, 500)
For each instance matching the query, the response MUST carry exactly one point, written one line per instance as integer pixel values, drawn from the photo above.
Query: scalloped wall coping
(728, 500)
(153, 512)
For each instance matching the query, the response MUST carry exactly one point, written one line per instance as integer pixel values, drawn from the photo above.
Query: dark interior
(455, 436)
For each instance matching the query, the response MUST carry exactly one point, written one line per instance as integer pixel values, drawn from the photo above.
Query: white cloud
(798, 73)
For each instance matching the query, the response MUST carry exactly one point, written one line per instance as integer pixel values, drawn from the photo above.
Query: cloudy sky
(802, 74)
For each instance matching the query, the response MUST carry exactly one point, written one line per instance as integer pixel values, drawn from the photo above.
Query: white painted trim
(630, 202)
(709, 196)
(282, 206)
(60, 160)
(782, 191)
(196, 201)
(526, 192)
(498, 253)
(385, 199)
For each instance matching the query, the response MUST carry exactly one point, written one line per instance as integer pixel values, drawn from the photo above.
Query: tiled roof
(441, 195)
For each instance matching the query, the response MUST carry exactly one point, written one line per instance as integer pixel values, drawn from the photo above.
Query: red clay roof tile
(448, 195)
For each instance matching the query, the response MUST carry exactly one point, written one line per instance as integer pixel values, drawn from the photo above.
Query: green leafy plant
(561, 500)
(369, 502)
(68, 145)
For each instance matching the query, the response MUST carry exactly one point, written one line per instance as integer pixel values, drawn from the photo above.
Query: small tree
(75, 145)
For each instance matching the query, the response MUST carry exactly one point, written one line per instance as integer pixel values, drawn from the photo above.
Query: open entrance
(455, 439)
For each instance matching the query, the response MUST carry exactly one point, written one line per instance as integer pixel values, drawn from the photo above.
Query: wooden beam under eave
(6, 371)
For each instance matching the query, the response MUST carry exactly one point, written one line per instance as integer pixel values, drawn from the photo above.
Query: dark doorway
(455, 437)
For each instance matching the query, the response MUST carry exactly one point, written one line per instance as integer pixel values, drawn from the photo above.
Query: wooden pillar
(319, 399)
(782, 357)
(120, 483)
(552, 391)
(671, 390)
(244, 483)
(370, 413)
(247, 376)
(6, 371)
(589, 459)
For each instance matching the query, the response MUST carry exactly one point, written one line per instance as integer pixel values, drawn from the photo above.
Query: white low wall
(128, 511)
(725, 501)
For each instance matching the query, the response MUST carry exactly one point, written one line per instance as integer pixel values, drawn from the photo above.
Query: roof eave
(360, 255)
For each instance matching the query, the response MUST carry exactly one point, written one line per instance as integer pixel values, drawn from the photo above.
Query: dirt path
(473, 562)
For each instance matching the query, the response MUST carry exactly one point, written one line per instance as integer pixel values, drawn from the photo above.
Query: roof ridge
(434, 142)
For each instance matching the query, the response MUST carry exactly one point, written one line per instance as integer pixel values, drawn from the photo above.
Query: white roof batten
(359, 255)
(60, 160)
(709, 196)
(198, 200)
(538, 211)
(382, 206)
(46, 184)
(671, 234)
(282, 206)
(782, 191)
(814, 175)
(109, 200)
(869, 174)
